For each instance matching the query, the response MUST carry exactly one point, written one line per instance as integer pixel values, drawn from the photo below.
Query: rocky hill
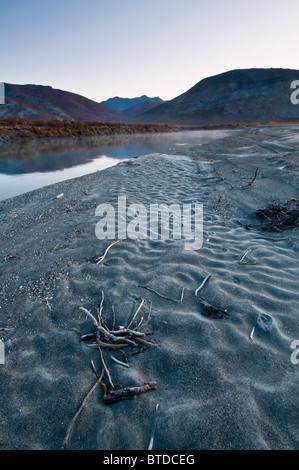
(238, 96)
(45, 102)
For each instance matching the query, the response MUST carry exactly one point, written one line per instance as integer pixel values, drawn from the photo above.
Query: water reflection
(31, 164)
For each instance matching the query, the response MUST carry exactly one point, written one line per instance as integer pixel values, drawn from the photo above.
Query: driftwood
(210, 310)
(253, 179)
(199, 289)
(114, 339)
(113, 396)
(100, 378)
(10, 257)
(241, 261)
(100, 258)
(162, 295)
(151, 442)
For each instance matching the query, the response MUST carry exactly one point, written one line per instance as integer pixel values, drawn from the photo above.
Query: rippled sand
(223, 383)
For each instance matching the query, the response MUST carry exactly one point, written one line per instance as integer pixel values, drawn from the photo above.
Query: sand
(223, 383)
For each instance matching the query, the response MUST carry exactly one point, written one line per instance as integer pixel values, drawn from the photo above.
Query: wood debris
(127, 393)
(199, 289)
(106, 338)
(151, 443)
(254, 178)
(210, 310)
(242, 260)
(252, 333)
(100, 258)
(162, 295)
(10, 257)
(100, 378)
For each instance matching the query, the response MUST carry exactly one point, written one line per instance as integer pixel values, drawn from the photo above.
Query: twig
(106, 369)
(241, 261)
(93, 319)
(119, 362)
(202, 285)
(101, 307)
(151, 443)
(149, 314)
(65, 443)
(148, 343)
(88, 336)
(125, 356)
(95, 370)
(245, 254)
(100, 344)
(253, 179)
(164, 296)
(99, 259)
(137, 311)
(127, 331)
(139, 324)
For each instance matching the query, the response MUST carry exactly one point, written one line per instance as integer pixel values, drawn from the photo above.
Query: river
(34, 163)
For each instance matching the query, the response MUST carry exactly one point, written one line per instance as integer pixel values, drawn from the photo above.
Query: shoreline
(222, 383)
(24, 129)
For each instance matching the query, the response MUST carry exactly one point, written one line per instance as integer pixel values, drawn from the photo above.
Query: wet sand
(223, 383)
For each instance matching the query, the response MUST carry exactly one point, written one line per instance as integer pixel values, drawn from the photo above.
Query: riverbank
(18, 128)
(225, 378)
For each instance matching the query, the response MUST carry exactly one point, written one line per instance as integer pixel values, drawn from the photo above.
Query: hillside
(238, 96)
(45, 102)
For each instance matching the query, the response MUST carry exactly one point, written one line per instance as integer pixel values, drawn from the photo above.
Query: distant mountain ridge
(243, 96)
(45, 102)
(234, 97)
(132, 106)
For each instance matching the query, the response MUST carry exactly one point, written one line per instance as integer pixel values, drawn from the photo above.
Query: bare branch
(99, 259)
(202, 285)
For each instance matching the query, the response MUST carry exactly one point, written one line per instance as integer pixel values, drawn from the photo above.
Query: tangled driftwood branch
(114, 339)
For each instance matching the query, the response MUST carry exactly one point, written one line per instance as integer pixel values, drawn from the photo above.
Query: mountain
(234, 97)
(142, 107)
(132, 106)
(45, 102)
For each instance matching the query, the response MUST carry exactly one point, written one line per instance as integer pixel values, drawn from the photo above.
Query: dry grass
(24, 128)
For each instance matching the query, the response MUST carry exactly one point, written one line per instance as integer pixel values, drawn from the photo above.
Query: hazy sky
(106, 48)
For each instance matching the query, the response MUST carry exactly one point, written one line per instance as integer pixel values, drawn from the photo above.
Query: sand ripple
(222, 383)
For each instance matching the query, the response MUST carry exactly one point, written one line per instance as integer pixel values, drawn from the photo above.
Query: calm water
(32, 165)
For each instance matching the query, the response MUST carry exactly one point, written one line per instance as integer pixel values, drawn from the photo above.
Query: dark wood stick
(253, 179)
(114, 396)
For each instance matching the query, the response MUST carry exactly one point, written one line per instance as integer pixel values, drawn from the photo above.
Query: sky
(106, 48)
